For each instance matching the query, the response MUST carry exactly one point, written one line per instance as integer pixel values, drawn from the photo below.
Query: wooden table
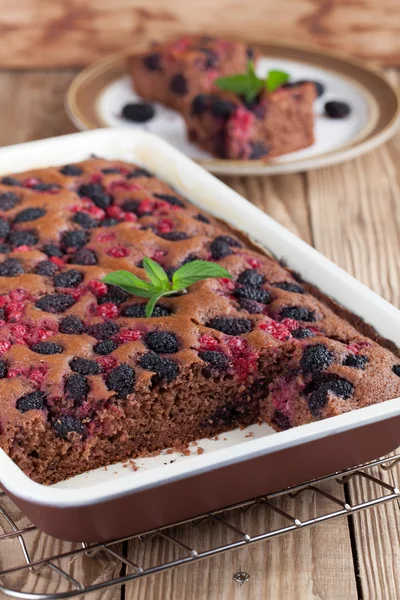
(350, 213)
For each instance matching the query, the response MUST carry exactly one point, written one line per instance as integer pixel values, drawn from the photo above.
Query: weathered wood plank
(42, 33)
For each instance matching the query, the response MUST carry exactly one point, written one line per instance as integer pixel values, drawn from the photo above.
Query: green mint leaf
(152, 302)
(155, 273)
(275, 79)
(196, 271)
(125, 280)
(245, 84)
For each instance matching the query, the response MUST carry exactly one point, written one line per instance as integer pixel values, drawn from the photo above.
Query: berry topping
(222, 108)
(111, 171)
(139, 172)
(298, 313)
(77, 387)
(323, 384)
(33, 401)
(251, 277)
(103, 331)
(302, 333)
(174, 236)
(258, 150)
(118, 252)
(104, 348)
(8, 200)
(11, 267)
(46, 268)
(55, 303)
(109, 222)
(316, 358)
(165, 368)
(138, 311)
(357, 361)
(280, 420)
(217, 360)
(29, 214)
(253, 308)
(84, 256)
(121, 380)
(4, 228)
(178, 85)
(10, 181)
(222, 246)
(47, 348)
(251, 293)
(162, 342)
(3, 369)
(71, 170)
(52, 250)
(67, 424)
(84, 366)
(288, 286)
(139, 112)
(108, 310)
(22, 238)
(4, 248)
(72, 325)
(131, 206)
(96, 193)
(74, 239)
(71, 278)
(201, 218)
(200, 104)
(173, 200)
(84, 220)
(396, 370)
(152, 62)
(230, 325)
(115, 294)
(337, 110)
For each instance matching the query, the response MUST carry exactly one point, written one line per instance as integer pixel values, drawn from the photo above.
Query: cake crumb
(133, 465)
(249, 435)
(200, 450)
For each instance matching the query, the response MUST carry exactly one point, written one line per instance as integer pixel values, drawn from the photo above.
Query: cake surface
(87, 380)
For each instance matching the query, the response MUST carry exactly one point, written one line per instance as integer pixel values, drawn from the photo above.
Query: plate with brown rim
(99, 92)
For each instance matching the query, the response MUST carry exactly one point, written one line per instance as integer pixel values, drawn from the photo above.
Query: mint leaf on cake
(249, 85)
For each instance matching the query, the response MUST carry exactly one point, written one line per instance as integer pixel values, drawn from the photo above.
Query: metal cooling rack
(31, 567)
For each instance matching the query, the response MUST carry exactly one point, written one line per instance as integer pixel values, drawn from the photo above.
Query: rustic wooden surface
(63, 33)
(351, 214)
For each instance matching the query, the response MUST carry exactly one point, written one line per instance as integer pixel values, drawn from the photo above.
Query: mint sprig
(159, 284)
(249, 84)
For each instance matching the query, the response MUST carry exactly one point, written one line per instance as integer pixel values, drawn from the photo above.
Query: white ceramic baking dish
(117, 501)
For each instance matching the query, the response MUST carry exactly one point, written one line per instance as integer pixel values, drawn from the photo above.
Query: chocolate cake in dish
(273, 124)
(174, 72)
(87, 380)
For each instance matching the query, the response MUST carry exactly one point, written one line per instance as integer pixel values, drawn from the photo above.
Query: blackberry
(4, 228)
(173, 200)
(26, 237)
(121, 380)
(253, 308)
(165, 368)
(2, 314)
(110, 222)
(337, 110)
(200, 104)
(316, 358)
(138, 311)
(288, 286)
(357, 361)
(32, 401)
(29, 214)
(323, 384)
(280, 420)
(11, 267)
(103, 331)
(258, 150)
(319, 87)
(8, 200)
(45, 187)
(71, 170)
(230, 325)
(212, 58)
(84, 366)
(115, 294)
(138, 112)
(152, 62)
(71, 325)
(111, 171)
(178, 85)
(250, 293)
(217, 360)
(222, 246)
(162, 342)
(396, 370)
(52, 250)
(131, 206)
(250, 53)
(4, 248)
(74, 239)
(11, 181)
(68, 279)
(298, 313)
(251, 278)
(55, 303)
(84, 256)
(201, 218)
(139, 172)
(66, 424)
(302, 333)
(47, 348)
(77, 387)
(3, 369)
(105, 347)
(174, 236)
(222, 108)
(84, 220)
(96, 193)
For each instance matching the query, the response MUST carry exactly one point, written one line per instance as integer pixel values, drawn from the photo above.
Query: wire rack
(35, 566)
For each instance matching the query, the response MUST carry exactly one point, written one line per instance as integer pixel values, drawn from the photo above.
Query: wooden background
(65, 33)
